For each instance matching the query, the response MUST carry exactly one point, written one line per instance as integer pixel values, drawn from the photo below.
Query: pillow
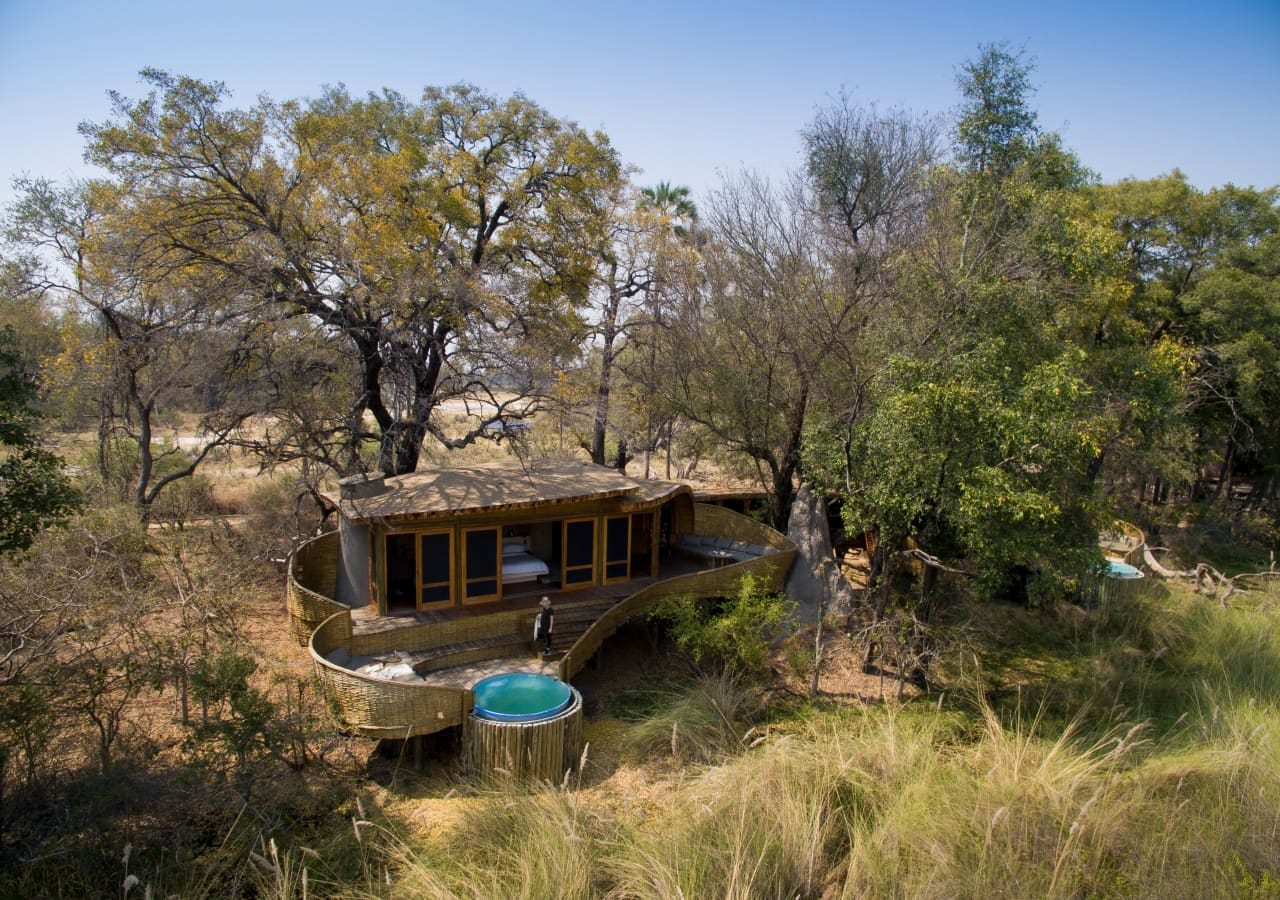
(512, 546)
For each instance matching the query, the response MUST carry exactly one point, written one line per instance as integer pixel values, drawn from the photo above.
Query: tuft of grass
(546, 843)
(707, 721)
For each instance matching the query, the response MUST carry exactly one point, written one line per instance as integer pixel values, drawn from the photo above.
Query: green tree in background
(1203, 268)
(997, 125)
(34, 492)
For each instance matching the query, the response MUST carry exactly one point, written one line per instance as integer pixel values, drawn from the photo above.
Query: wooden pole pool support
(541, 750)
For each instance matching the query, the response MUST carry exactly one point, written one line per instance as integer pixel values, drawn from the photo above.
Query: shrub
(732, 637)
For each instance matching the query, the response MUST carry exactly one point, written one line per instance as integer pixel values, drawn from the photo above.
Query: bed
(519, 566)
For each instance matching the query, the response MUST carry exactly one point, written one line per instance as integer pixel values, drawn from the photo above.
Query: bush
(732, 637)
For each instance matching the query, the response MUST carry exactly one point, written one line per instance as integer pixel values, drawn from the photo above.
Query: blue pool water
(1117, 569)
(520, 697)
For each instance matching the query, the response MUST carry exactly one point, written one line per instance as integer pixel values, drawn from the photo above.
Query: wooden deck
(365, 619)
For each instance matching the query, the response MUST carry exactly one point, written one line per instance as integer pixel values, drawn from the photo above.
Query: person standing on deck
(544, 625)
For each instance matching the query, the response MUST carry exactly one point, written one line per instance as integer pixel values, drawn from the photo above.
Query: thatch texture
(436, 493)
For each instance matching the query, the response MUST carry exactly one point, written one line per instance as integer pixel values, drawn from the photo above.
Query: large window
(480, 567)
(617, 549)
(579, 547)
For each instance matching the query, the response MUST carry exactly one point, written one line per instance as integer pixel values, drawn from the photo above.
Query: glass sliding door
(643, 536)
(419, 566)
(402, 572)
(480, 564)
(617, 549)
(435, 569)
(578, 544)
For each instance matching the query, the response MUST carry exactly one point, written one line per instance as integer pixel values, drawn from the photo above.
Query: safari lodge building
(435, 575)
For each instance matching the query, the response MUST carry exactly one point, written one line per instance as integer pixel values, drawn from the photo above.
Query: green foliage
(732, 636)
(444, 246)
(985, 462)
(1204, 270)
(34, 492)
(996, 125)
(26, 724)
(240, 717)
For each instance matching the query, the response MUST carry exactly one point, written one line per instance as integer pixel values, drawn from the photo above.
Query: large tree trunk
(401, 447)
(600, 424)
(608, 334)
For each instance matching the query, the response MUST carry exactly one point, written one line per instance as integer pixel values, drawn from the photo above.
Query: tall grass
(546, 843)
(706, 722)
(911, 802)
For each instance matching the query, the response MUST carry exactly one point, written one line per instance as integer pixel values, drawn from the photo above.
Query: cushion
(339, 656)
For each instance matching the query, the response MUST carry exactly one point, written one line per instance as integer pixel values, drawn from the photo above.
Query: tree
(444, 244)
(165, 339)
(1202, 267)
(626, 260)
(34, 492)
(673, 203)
(996, 125)
(642, 363)
(747, 339)
(1016, 374)
(793, 281)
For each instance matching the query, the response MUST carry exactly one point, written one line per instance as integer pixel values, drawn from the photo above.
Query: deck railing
(1124, 540)
(377, 708)
(312, 584)
(715, 521)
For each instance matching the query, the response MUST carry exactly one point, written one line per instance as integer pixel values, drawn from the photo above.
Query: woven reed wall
(717, 521)
(1100, 591)
(309, 589)
(1124, 540)
(528, 751)
(378, 708)
(425, 635)
(714, 521)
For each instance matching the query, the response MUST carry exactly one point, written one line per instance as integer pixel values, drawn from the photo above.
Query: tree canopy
(443, 243)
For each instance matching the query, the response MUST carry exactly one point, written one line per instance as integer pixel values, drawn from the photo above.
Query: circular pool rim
(561, 705)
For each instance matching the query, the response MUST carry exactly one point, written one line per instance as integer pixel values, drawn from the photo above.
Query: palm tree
(672, 202)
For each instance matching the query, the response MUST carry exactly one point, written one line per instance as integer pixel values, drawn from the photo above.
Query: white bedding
(522, 567)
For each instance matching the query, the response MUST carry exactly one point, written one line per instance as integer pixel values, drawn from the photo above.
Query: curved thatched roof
(491, 487)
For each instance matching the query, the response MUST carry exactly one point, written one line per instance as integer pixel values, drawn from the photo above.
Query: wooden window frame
(564, 553)
(497, 566)
(604, 543)
(417, 546)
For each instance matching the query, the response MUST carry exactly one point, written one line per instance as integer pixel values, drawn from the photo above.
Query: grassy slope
(1136, 755)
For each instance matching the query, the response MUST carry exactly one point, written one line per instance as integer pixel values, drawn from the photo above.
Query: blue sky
(686, 91)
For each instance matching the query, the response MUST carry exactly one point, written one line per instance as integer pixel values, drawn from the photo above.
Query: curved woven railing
(1124, 540)
(377, 708)
(311, 585)
(716, 521)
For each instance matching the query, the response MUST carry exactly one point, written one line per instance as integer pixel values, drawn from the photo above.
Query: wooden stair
(572, 623)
